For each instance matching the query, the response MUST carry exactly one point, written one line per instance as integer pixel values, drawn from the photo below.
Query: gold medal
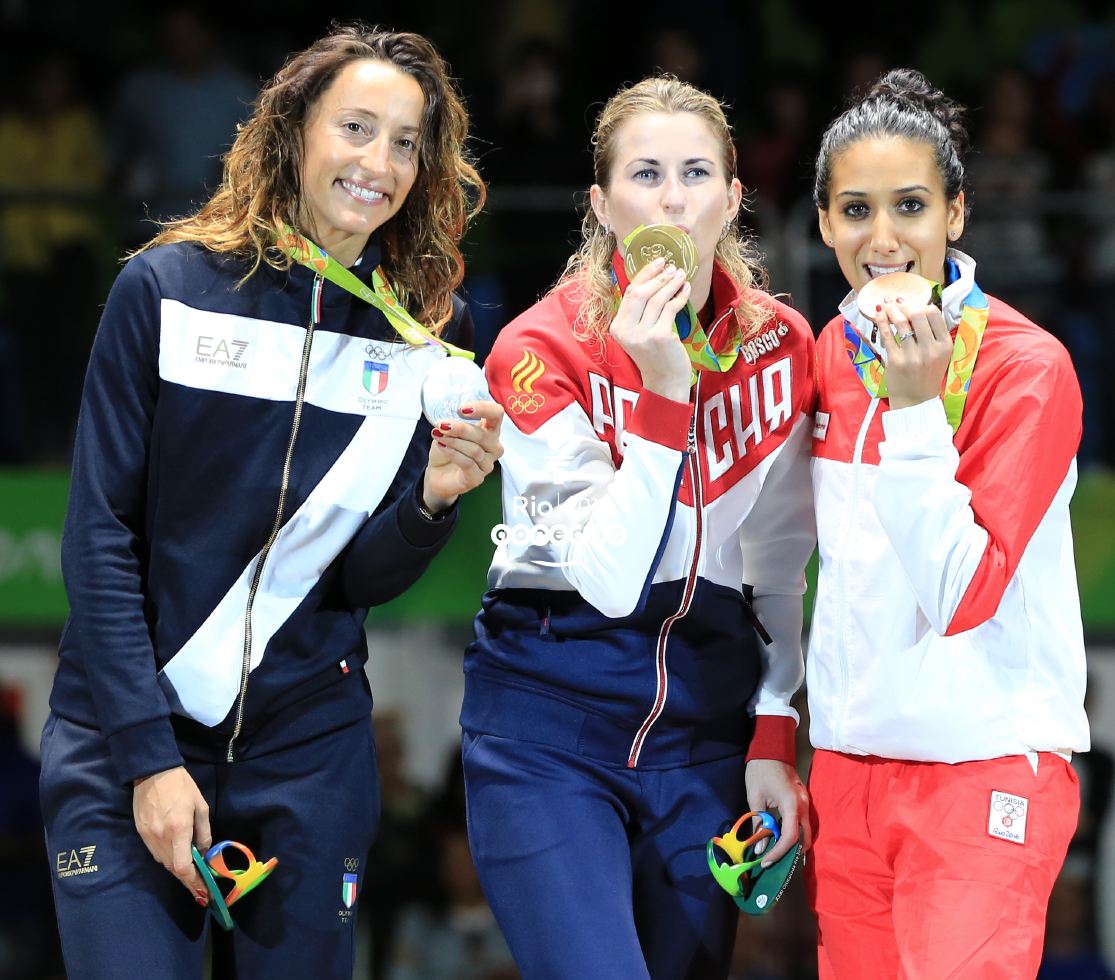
(914, 290)
(661, 241)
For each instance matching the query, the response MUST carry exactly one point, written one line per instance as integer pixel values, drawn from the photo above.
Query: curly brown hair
(589, 269)
(261, 188)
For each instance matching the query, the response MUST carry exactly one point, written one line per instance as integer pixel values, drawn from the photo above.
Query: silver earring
(607, 229)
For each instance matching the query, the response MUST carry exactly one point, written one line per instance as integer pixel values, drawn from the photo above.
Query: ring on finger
(905, 336)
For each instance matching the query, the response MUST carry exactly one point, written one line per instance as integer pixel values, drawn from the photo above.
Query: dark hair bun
(911, 87)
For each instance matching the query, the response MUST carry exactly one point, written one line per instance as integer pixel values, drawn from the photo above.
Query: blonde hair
(589, 269)
(261, 188)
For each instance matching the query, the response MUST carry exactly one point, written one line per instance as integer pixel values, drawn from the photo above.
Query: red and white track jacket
(631, 524)
(947, 624)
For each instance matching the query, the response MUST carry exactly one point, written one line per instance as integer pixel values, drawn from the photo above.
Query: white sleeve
(567, 507)
(777, 538)
(925, 511)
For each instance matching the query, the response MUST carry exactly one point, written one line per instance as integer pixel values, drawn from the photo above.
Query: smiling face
(668, 168)
(887, 210)
(360, 156)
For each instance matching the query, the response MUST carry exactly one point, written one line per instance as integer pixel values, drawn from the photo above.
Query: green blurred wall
(32, 504)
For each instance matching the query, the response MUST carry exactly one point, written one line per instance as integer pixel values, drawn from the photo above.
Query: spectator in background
(399, 861)
(1009, 174)
(533, 164)
(451, 934)
(777, 159)
(28, 947)
(171, 122)
(52, 167)
(1071, 952)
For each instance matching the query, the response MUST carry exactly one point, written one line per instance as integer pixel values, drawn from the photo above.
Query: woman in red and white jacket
(946, 665)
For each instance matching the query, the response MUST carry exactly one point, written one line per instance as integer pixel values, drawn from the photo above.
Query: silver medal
(451, 383)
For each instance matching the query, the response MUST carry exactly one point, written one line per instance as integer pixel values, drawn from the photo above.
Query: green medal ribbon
(969, 335)
(701, 353)
(381, 295)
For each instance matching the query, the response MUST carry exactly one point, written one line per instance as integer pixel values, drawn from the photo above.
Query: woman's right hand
(170, 815)
(644, 327)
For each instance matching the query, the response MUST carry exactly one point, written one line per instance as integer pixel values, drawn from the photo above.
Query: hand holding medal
(451, 383)
(904, 307)
(213, 866)
(753, 888)
(661, 267)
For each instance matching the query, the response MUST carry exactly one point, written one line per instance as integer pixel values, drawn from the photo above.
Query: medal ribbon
(969, 334)
(689, 330)
(381, 295)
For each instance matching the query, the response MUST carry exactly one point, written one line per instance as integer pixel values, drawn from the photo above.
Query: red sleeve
(1014, 456)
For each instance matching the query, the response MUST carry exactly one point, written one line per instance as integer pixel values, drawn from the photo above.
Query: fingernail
(446, 426)
(899, 300)
(765, 865)
(879, 309)
(436, 433)
(468, 411)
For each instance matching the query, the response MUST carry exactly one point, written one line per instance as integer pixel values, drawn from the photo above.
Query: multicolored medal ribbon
(212, 866)
(381, 295)
(701, 353)
(969, 334)
(753, 888)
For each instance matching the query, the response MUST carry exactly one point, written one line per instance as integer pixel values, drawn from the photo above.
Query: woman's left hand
(774, 785)
(917, 362)
(462, 454)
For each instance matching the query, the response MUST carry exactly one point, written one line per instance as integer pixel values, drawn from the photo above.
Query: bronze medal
(661, 241)
(915, 291)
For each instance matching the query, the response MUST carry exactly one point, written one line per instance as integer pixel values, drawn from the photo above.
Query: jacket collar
(961, 271)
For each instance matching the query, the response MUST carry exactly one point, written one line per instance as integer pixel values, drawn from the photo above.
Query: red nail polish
(446, 426)
(468, 411)
(436, 433)
(879, 309)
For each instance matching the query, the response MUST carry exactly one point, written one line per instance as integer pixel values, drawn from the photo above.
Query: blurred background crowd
(113, 117)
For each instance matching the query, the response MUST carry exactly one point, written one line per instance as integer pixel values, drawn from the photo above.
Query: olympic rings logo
(351, 864)
(542, 535)
(1010, 811)
(524, 404)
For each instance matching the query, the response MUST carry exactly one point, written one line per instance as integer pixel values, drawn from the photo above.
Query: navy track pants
(597, 872)
(314, 806)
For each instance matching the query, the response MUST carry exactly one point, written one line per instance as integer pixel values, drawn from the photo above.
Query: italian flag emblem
(348, 890)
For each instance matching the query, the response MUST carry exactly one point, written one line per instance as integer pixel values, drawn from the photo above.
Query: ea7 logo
(76, 862)
(217, 350)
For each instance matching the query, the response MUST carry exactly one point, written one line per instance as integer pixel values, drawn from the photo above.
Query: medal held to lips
(660, 241)
(451, 383)
(914, 290)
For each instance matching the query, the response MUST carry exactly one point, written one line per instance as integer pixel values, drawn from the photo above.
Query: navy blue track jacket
(245, 484)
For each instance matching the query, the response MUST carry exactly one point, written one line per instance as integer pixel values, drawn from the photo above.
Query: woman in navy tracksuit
(618, 708)
(251, 474)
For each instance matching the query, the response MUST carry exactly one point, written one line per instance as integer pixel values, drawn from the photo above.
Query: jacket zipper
(662, 683)
(299, 400)
(842, 569)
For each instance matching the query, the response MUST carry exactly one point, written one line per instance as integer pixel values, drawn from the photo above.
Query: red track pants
(907, 879)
